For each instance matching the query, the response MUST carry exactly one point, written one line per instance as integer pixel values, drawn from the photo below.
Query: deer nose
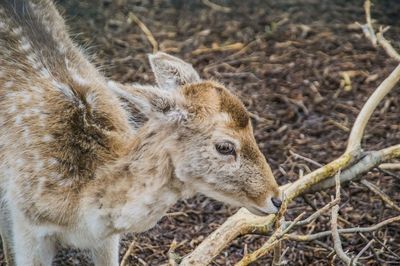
(277, 202)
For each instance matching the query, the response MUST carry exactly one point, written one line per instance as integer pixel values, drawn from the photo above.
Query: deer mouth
(261, 211)
(268, 208)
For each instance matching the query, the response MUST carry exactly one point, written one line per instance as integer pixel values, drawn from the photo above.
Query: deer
(84, 159)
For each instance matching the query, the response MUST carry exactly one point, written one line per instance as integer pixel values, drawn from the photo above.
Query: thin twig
(146, 31)
(298, 156)
(173, 258)
(318, 213)
(381, 194)
(363, 251)
(390, 173)
(385, 44)
(390, 166)
(217, 48)
(278, 247)
(216, 7)
(128, 253)
(275, 239)
(377, 39)
(306, 238)
(334, 227)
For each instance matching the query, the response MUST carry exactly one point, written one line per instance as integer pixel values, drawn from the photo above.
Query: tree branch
(337, 243)
(365, 114)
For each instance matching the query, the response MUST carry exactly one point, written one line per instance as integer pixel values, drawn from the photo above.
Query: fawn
(84, 159)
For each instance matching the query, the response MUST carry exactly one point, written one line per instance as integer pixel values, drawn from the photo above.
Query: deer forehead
(211, 98)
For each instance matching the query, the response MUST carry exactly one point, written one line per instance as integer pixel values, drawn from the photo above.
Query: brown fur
(83, 160)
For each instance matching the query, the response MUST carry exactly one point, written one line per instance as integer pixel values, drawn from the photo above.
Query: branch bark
(337, 243)
(363, 117)
(243, 222)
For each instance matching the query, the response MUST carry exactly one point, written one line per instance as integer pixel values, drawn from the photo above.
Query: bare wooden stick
(367, 28)
(298, 156)
(334, 226)
(369, 161)
(279, 225)
(306, 238)
(363, 251)
(128, 253)
(172, 257)
(275, 239)
(385, 44)
(390, 166)
(217, 48)
(146, 31)
(242, 222)
(384, 88)
(381, 194)
(318, 213)
(377, 39)
(216, 7)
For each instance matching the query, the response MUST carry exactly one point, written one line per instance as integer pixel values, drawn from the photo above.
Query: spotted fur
(83, 159)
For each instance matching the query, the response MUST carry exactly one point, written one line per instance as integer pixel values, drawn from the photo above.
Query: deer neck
(134, 192)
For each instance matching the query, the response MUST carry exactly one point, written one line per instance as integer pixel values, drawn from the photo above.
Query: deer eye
(226, 148)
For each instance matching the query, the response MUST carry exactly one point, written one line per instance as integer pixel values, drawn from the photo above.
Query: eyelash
(226, 148)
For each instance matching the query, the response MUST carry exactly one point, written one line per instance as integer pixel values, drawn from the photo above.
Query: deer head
(213, 150)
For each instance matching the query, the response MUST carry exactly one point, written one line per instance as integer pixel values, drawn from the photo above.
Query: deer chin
(210, 191)
(267, 208)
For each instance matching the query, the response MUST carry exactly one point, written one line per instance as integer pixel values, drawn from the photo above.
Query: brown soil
(289, 75)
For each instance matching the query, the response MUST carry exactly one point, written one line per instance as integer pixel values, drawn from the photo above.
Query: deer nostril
(277, 202)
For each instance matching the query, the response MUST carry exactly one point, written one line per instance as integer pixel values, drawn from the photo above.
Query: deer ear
(172, 72)
(145, 102)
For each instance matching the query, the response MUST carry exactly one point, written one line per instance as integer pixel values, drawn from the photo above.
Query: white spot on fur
(39, 165)
(37, 89)
(34, 111)
(26, 135)
(64, 88)
(61, 49)
(44, 72)
(17, 30)
(52, 161)
(13, 109)
(177, 116)
(47, 138)
(35, 63)
(91, 98)
(26, 98)
(79, 79)
(18, 120)
(20, 162)
(8, 84)
(25, 45)
(65, 182)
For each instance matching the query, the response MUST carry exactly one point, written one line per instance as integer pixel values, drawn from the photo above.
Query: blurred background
(302, 67)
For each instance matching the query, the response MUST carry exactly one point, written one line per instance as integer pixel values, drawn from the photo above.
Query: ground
(287, 65)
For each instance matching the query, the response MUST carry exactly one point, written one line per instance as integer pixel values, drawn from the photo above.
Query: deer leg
(6, 232)
(107, 253)
(30, 249)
